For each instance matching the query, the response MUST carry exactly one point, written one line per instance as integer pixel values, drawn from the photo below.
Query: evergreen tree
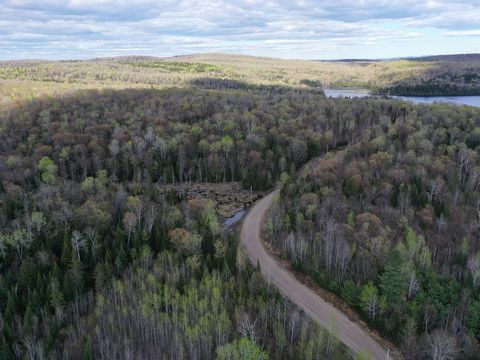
(55, 294)
(6, 352)
(393, 281)
(66, 255)
(350, 292)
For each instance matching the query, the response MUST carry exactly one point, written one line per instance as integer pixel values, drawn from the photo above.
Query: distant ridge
(354, 60)
(232, 57)
(453, 57)
(134, 58)
(229, 56)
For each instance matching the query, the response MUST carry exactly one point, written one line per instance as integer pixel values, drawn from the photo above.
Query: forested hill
(454, 57)
(438, 75)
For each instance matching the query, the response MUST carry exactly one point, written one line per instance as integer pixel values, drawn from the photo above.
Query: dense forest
(391, 225)
(87, 238)
(379, 204)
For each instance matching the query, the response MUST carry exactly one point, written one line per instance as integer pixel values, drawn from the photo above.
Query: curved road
(328, 316)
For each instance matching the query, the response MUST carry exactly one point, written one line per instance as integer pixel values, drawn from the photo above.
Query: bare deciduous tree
(440, 345)
(78, 243)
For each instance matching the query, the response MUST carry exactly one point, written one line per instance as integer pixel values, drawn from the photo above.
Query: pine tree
(100, 276)
(10, 310)
(66, 255)
(87, 351)
(73, 283)
(55, 294)
(473, 319)
(27, 319)
(350, 292)
(393, 281)
(6, 352)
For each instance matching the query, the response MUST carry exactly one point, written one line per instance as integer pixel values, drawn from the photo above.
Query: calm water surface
(234, 218)
(459, 100)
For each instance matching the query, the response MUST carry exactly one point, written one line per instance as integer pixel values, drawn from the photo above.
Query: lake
(355, 93)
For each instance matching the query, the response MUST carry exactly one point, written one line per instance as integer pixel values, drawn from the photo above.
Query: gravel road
(328, 316)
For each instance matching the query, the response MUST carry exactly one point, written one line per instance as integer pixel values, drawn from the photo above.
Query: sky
(303, 29)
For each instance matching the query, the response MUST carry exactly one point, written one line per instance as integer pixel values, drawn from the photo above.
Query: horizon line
(166, 57)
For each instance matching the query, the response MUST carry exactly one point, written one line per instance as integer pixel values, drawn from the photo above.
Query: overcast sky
(79, 29)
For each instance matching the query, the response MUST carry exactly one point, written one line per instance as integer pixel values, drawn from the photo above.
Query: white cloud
(287, 28)
(474, 33)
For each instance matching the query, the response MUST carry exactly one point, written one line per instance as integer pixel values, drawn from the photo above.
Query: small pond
(232, 220)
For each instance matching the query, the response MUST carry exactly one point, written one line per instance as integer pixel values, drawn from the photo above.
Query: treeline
(443, 78)
(214, 83)
(391, 224)
(430, 88)
(177, 66)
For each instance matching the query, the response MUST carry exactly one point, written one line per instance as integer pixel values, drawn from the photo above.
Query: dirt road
(349, 333)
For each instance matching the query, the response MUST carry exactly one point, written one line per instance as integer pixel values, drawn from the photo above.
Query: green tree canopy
(48, 170)
(243, 349)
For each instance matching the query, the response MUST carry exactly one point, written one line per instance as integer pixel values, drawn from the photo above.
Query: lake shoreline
(366, 93)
